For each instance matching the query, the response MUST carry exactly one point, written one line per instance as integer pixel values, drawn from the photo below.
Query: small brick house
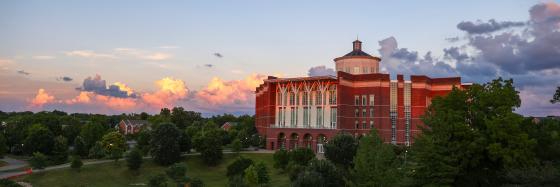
(127, 126)
(227, 125)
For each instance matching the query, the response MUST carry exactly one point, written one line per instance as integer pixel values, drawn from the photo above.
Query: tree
(9, 183)
(3, 146)
(196, 182)
(80, 148)
(60, 150)
(320, 173)
(91, 133)
(208, 142)
(301, 156)
(76, 163)
(157, 181)
(143, 141)
(71, 130)
(238, 167)
(39, 139)
(112, 141)
(472, 137)
(257, 174)
(134, 160)
(236, 146)
(116, 154)
(375, 163)
(341, 150)
(38, 161)
(556, 97)
(97, 151)
(177, 172)
(281, 159)
(185, 142)
(164, 145)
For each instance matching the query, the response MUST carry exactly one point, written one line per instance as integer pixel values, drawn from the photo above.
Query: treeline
(471, 137)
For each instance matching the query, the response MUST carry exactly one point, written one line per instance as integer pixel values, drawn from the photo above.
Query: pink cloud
(41, 98)
(235, 92)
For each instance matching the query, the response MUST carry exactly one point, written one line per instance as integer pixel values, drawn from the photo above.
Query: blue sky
(178, 38)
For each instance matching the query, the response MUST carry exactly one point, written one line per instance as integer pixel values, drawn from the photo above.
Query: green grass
(110, 174)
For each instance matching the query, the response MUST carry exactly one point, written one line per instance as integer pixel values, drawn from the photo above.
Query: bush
(177, 172)
(38, 161)
(157, 181)
(236, 146)
(281, 159)
(196, 182)
(134, 160)
(97, 151)
(8, 183)
(238, 167)
(301, 156)
(76, 163)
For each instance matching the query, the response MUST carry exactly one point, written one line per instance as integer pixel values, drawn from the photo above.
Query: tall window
(371, 124)
(280, 116)
(356, 100)
(319, 117)
(364, 125)
(371, 100)
(305, 99)
(279, 98)
(292, 98)
(364, 100)
(292, 117)
(364, 112)
(332, 95)
(357, 124)
(333, 118)
(318, 98)
(357, 112)
(371, 112)
(305, 117)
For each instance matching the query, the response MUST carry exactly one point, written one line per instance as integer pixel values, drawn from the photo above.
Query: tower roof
(357, 52)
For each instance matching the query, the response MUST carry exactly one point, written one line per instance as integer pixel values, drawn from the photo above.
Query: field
(111, 174)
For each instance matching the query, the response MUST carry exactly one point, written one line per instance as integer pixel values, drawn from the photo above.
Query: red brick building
(308, 111)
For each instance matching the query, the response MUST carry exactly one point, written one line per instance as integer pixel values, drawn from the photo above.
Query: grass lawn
(110, 174)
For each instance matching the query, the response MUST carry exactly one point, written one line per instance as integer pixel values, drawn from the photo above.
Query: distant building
(127, 126)
(308, 111)
(227, 125)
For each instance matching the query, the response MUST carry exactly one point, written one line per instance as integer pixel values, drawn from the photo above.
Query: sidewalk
(12, 164)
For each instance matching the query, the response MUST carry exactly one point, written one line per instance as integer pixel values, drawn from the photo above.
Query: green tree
(281, 159)
(134, 160)
(9, 183)
(143, 141)
(177, 172)
(185, 142)
(341, 150)
(236, 146)
(97, 151)
(196, 182)
(80, 147)
(91, 133)
(320, 173)
(301, 156)
(39, 139)
(3, 146)
(116, 154)
(257, 174)
(238, 166)
(164, 144)
(157, 181)
(60, 150)
(38, 161)
(208, 142)
(112, 141)
(76, 163)
(71, 130)
(472, 137)
(375, 163)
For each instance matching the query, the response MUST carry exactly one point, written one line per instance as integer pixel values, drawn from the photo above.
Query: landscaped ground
(110, 174)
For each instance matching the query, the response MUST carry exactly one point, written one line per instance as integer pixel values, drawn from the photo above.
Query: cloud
(98, 86)
(143, 54)
(219, 55)
(452, 39)
(492, 25)
(208, 65)
(23, 72)
(64, 78)
(321, 71)
(88, 54)
(41, 99)
(228, 93)
(169, 91)
(169, 47)
(43, 57)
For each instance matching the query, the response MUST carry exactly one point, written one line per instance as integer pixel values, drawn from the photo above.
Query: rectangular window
(371, 112)
(280, 116)
(364, 125)
(332, 97)
(319, 117)
(292, 117)
(357, 112)
(318, 98)
(356, 100)
(333, 118)
(305, 100)
(371, 100)
(371, 124)
(357, 124)
(357, 70)
(279, 99)
(305, 117)
(364, 112)
(292, 98)
(364, 100)
(365, 70)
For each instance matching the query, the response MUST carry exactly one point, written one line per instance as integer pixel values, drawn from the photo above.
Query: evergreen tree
(236, 146)
(80, 147)
(375, 163)
(134, 160)
(341, 149)
(164, 144)
(97, 151)
(38, 161)
(281, 159)
(60, 150)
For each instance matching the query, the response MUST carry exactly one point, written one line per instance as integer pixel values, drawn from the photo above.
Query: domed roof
(357, 52)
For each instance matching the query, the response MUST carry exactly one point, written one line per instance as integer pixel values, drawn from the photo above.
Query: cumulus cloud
(98, 85)
(169, 91)
(41, 98)
(234, 92)
(321, 71)
(480, 27)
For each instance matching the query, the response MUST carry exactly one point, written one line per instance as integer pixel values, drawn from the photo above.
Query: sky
(131, 56)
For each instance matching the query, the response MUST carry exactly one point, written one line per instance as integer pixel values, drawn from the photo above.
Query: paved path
(12, 164)
(12, 174)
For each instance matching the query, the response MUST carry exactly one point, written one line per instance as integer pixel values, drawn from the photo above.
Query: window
(293, 117)
(292, 98)
(357, 112)
(357, 70)
(284, 99)
(347, 70)
(373, 70)
(371, 112)
(371, 100)
(365, 70)
(305, 117)
(280, 116)
(318, 98)
(357, 124)
(333, 118)
(371, 124)
(364, 112)
(364, 125)
(319, 117)
(364, 100)
(305, 99)
(279, 98)
(356, 100)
